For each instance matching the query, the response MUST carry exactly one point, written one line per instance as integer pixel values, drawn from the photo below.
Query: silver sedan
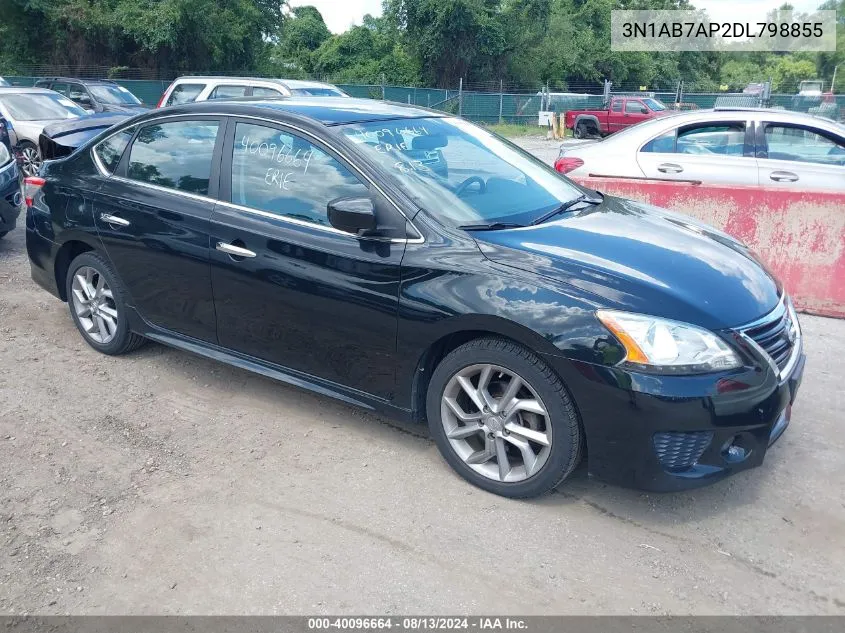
(752, 147)
(27, 111)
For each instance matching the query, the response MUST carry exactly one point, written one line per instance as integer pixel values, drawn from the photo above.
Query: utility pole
(461, 96)
(501, 98)
(382, 86)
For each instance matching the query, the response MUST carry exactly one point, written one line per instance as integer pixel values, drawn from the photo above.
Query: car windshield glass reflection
(461, 173)
(41, 107)
(114, 95)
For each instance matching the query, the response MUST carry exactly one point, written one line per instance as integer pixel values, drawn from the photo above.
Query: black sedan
(415, 264)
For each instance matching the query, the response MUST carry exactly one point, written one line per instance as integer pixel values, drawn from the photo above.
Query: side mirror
(352, 215)
(644, 110)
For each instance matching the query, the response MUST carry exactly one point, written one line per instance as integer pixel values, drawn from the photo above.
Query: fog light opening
(735, 450)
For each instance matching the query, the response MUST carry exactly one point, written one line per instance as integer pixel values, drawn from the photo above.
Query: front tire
(503, 419)
(30, 159)
(96, 299)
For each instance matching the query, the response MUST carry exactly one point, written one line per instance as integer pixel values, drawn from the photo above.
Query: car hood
(635, 257)
(29, 130)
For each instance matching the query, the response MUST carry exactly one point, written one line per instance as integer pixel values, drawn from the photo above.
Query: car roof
(289, 83)
(25, 90)
(325, 110)
(78, 80)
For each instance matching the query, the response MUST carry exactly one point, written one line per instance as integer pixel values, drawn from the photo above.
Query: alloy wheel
(496, 423)
(94, 305)
(31, 161)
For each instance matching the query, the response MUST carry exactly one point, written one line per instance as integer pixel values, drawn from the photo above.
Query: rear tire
(31, 158)
(97, 302)
(580, 130)
(525, 440)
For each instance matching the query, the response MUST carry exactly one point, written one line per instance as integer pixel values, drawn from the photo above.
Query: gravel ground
(162, 482)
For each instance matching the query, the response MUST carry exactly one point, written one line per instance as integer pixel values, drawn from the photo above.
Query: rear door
(153, 217)
(800, 157)
(301, 294)
(718, 152)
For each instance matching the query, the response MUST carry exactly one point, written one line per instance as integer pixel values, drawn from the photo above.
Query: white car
(190, 88)
(731, 146)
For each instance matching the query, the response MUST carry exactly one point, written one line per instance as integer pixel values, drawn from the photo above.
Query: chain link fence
(508, 102)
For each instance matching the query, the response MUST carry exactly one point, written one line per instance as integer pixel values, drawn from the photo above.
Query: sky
(341, 14)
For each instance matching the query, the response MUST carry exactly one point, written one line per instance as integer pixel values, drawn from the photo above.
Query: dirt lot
(162, 482)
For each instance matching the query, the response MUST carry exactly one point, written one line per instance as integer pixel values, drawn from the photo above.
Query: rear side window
(260, 91)
(803, 145)
(663, 144)
(616, 105)
(176, 155)
(284, 174)
(185, 93)
(722, 138)
(227, 92)
(110, 150)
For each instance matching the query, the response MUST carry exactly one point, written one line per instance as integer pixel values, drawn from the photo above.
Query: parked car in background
(27, 111)
(11, 197)
(773, 148)
(95, 95)
(190, 89)
(61, 139)
(525, 317)
(620, 113)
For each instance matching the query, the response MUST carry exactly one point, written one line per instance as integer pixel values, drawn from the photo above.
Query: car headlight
(671, 347)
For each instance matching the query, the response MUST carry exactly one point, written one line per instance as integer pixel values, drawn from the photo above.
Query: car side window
(633, 107)
(175, 154)
(284, 174)
(185, 93)
(59, 87)
(111, 149)
(616, 105)
(261, 91)
(77, 92)
(663, 144)
(804, 145)
(720, 138)
(227, 92)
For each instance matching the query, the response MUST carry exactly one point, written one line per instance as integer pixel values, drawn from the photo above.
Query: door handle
(236, 251)
(670, 168)
(783, 176)
(114, 220)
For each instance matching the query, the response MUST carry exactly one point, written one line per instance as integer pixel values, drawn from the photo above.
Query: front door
(153, 217)
(288, 288)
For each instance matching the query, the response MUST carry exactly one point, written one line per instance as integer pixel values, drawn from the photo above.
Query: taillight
(31, 185)
(163, 94)
(565, 165)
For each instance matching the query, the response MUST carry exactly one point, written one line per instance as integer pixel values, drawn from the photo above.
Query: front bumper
(668, 433)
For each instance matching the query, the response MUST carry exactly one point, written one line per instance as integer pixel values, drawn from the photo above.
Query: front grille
(680, 450)
(775, 334)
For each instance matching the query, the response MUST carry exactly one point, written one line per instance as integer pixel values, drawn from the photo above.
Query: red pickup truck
(622, 112)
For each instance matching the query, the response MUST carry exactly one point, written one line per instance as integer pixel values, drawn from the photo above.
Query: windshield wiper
(566, 206)
(493, 226)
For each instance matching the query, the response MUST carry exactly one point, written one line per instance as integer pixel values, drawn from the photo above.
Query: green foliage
(559, 43)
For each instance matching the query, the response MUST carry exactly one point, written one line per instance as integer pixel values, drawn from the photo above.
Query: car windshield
(113, 95)
(40, 107)
(318, 92)
(460, 172)
(654, 104)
